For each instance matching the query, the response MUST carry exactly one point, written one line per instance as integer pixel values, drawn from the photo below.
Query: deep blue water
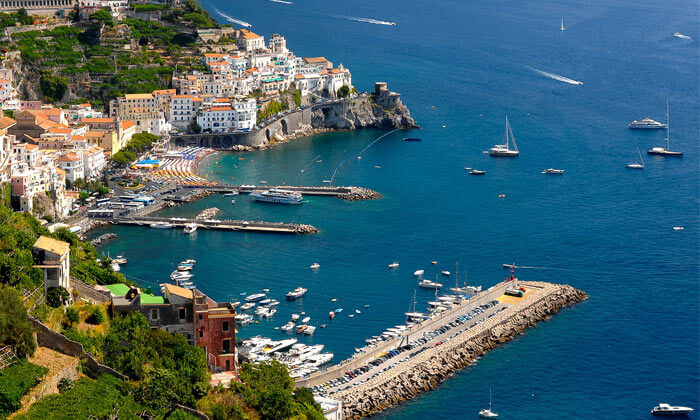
(600, 227)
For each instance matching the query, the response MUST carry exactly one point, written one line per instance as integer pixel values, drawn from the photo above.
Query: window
(182, 313)
(154, 314)
(228, 365)
(201, 333)
(224, 326)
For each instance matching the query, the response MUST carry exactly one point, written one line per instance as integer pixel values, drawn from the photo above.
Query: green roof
(118, 289)
(147, 299)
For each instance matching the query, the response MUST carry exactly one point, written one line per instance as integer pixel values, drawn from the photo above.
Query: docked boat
(505, 150)
(264, 302)
(552, 171)
(247, 306)
(477, 172)
(161, 225)
(295, 317)
(412, 315)
(190, 228)
(231, 194)
(411, 139)
(301, 328)
(665, 151)
(309, 330)
(281, 345)
(395, 264)
(664, 409)
(296, 293)
(120, 259)
(279, 196)
(184, 267)
(418, 273)
(255, 297)
(635, 164)
(429, 284)
(288, 326)
(181, 275)
(243, 319)
(646, 123)
(315, 266)
(188, 262)
(273, 302)
(488, 413)
(305, 319)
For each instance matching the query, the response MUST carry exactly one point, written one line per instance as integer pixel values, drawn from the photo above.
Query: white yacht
(295, 317)
(488, 413)
(288, 326)
(310, 329)
(504, 150)
(161, 225)
(552, 171)
(395, 264)
(418, 273)
(646, 123)
(429, 284)
(664, 409)
(277, 195)
(635, 164)
(665, 151)
(681, 36)
(296, 293)
(255, 297)
(120, 259)
(246, 306)
(445, 273)
(306, 319)
(190, 228)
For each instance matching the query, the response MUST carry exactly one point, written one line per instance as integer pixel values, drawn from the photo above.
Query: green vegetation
(15, 329)
(103, 16)
(148, 7)
(15, 381)
(193, 14)
(12, 19)
(139, 143)
(272, 107)
(52, 87)
(344, 91)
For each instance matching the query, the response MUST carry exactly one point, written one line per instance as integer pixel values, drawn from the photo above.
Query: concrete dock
(229, 225)
(348, 193)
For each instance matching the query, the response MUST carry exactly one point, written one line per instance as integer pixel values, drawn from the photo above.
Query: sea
(461, 67)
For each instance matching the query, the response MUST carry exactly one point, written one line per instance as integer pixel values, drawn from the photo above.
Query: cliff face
(365, 111)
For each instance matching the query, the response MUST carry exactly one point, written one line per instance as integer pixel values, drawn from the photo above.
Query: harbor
(225, 225)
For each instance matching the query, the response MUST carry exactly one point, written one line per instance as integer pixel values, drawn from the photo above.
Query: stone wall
(431, 367)
(86, 292)
(40, 27)
(46, 337)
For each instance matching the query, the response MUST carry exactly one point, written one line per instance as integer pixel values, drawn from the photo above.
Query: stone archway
(285, 129)
(216, 142)
(267, 134)
(227, 143)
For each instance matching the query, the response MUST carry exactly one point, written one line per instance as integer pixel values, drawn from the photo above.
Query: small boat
(287, 327)
(188, 262)
(357, 311)
(501, 196)
(429, 284)
(509, 265)
(255, 297)
(411, 139)
(305, 319)
(351, 315)
(309, 330)
(119, 259)
(664, 409)
(246, 306)
(231, 194)
(477, 172)
(266, 290)
(445, 273)
(433, 262)
(269, 313)
(665, 151)
(322, 326)
(366, 305)
(488, 413)
(681, 36)
(184, 267)
(273, 302)
(265, 302)
(190, 228)
(300, 329)
(315, 266)
(161, 225)
(331, 314)
(552, 171)
(233, 201)
(395, 264)
(295, 317)
(418, 273)
(637, 165)
(296, 293)
(504, 150)
(678, 228)
(339, 310)
(562, 25)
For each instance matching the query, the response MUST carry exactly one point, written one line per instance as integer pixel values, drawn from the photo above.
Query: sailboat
(487, 413)
(562, 24)
(413, 315)
(665, 151)
(635, 164)
(504, 150)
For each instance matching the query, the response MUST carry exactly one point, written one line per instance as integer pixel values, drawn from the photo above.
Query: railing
(7, 357)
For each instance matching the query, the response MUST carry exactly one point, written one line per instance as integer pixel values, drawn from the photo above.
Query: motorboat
(296, 293)
(185, 267)
(664, 409)
(182, 275)
(339, 310)
(269, 314)
(161, 225)
(411, 139)
(357, 311)
(264, 302)
(255, 297)
(190, 228)
(115, 267)
(351, 315)
(433, 262)
(477, 172)
(281, 345)
(231, 194)
(243, 319)
(418, 273)
(395, 264)
(301, 328)
(288, 326)
(429, 284)
(331, 314)
(309, 330)
(504, 150)
(509, 266)
(273, 302)
(678, 228)
(646, 123)
(235, 304)
(315, 266)
(188, 262)
(295, 317)
(305, 319)
(665, 151)
(120, 259)
(278, 196)
(233, 201)
(681, 36)
(247, 306)
(552, 171)
(445, 273)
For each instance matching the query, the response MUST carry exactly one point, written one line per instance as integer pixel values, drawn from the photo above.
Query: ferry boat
(646, 123)
(504, 150)
(190, 228)
(296, 293)
(279, 196)
(665, 151)
(161, 225)
(477, 172)
(429, 284)
(552, 171)
(255, 297)
(664, 409)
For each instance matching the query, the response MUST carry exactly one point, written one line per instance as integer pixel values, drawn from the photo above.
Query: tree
(195, 128)
(102, 191)
(52, 87)
(72, 316)
(16, 330)
(23, 17)
(83, 196)
(161, 390)
(344, 91)
(103, 16)
(57, 296)
(126, 347)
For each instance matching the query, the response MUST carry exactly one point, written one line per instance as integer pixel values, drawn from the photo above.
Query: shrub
(15, 381)
(96, 316)
(65, 384)
(57, 296)
(72, 316)
(15, 329)
(52, 87)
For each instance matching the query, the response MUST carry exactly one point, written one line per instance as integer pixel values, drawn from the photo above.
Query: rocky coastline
(430, 368)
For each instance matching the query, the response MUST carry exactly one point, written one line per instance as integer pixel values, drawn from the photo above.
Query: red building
(215, 331)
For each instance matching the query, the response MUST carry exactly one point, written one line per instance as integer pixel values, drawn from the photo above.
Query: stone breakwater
(207, 213)
(359, 193)
(428, 369)
(305, 229)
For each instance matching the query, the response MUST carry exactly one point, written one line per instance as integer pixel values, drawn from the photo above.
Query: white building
(249, 41)
(218, 119)
(332, 409)
(93, 162)
(73, 165)
(53, 258)
(181, 110)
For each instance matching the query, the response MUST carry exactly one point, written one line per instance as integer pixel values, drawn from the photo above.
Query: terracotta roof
(196, 99)
(51, 111)
(178, 291)
(6, 122)
(30, 147)
(164, 92)
(315, 60)
(85, 105)
(298, 76)
(97, 120)
(60, 130)
(214, 55)
(94, 134)
(226, 100)
(182, 96)
(138, 96)
(52, 245)
(249, 35)
(60, 171)
(127, 124)
(69, 157)
(77, 138)
(336, 71)
(223, 108)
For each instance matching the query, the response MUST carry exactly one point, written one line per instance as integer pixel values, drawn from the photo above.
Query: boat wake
(359, 155)
(231, 19)
(556, 77)
(372, 21)
(282, 1)
(681, 36)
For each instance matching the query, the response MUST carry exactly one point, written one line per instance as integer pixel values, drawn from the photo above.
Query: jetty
(422, 368)
(212, 224)
(346, 193)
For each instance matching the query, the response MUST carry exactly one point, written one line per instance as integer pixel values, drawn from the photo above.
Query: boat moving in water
(418, 273)
(552, 171)
(477, 172)
(681, 36)
(664, 409)
(504, 150)
(279, 196)
(315, 266)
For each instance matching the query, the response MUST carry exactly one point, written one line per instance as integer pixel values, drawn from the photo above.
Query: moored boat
(411, 139)
(296, 293)
(247, 306)
(255, 297)
(395, 264)
(477, 172)
(504, 150)
(418, 273)
(429, 284)
(161, 225)
(278, 196)
(664, 409)
(646, 123)
(190, 228)
(552, 171)
(665, 151)
(315, 266)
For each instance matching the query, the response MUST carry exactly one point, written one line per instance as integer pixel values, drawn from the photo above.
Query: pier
(347, 193)
(228, 225)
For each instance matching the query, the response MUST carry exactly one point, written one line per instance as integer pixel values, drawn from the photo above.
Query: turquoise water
(600, 227)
